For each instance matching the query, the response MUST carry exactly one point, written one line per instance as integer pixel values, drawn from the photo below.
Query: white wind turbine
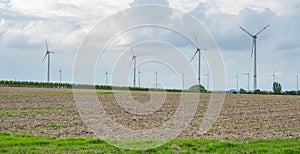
(273, 77)
(60, 73)
(199, 64)
(248, 82)
(134, 66)
(106, 76)
(182, 81)
(156, 77)
(237, 82)
(47, 54)
(254, 52)
(139, 72)
(297, 76)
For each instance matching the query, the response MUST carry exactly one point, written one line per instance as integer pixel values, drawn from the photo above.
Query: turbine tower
(106, 76)
(199, 64)
(248, 83)
(182, 81)
(156, 80)
(297, 76)
(274, 76)
(254, 52)
(60, 71)
(47, 54)
(237, 82)
(207, 75)
(139, 72)
(134, 66)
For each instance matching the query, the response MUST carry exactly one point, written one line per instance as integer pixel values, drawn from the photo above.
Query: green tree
(243, 91)
(277, 88)
(196, 88)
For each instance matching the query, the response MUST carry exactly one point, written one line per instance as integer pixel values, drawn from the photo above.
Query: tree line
(277, 90)
(31, 84)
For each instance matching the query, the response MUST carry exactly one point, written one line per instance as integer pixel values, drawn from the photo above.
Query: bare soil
(52, 112)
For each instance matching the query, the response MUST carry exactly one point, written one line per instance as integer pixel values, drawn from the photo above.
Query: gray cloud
(144, 2)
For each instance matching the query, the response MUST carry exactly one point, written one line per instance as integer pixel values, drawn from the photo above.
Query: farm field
(52, 113)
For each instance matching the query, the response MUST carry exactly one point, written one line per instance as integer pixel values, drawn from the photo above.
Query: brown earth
(52, 112)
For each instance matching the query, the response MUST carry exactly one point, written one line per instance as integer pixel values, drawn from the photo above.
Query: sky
(24, 26)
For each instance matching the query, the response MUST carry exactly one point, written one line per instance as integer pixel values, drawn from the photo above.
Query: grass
(20, 112)
(23, 143)
(25, 111)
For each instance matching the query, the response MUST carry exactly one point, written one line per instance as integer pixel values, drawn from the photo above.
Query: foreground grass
(24, 143)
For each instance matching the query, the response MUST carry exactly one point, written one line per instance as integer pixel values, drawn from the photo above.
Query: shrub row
(293, 92)
(4, 83)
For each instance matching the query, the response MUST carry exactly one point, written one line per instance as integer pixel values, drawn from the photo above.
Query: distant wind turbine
(182, 81)
(134, 66)
(254, 52)
(237, 82)
(297, 76)
(106, 76)
(208, 76)
(60, 71)
(47, 54)
(156, 80)
(248, 77)
(139, 72)
(274, 76)
(199, 64)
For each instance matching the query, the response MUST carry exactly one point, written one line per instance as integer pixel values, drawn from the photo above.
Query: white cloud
(25, 24)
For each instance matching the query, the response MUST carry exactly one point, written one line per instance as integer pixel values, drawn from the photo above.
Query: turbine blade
(132, 60)
(46, 43)
(252, 50)
(195, 54)
(247, 32)
(196, 39)
(132, 52)
(262, 30)
(45, 56)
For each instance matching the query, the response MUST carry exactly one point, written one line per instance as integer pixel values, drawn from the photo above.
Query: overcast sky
(24, 25)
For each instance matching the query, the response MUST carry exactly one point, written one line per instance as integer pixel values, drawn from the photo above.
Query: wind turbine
(47, 54)
(248, 83)
(182, 81)
(199, 64)
(60, 71)
(254, 52)
(237, 82)
(207, 75)
(106, 76)
(139, 72)
(297, 76)
(134, 66)
(274, 76)
(156, 80)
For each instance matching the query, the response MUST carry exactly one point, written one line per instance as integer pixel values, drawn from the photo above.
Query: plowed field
(52, 112)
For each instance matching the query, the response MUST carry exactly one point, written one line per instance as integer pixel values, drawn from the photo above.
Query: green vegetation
(243, 91)
(24, 112)
(277, 88)
(36, 144)
(4, 83)
(197, 88)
